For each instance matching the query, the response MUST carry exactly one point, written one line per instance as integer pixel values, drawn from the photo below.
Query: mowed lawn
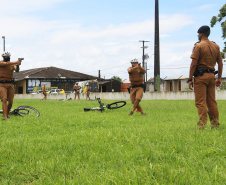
(66, 145)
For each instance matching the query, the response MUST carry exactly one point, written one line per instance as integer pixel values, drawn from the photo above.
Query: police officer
(76, 89)
(44, 92)
(87, 91)
(204, 57)
(7, 83)
(136, 77)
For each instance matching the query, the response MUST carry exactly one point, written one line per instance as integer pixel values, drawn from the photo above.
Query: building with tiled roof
(53, 77)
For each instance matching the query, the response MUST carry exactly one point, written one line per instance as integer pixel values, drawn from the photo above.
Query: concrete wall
(167, 85)
(175, 95)
(175, 84)
(184, 85)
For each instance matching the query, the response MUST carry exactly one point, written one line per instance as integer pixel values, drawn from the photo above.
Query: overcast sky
(91, 35)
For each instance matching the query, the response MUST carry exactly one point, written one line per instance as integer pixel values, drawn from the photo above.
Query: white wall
(175, 95)
(151, 87)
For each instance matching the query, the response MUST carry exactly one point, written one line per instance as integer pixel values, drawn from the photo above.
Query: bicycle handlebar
(101, 104)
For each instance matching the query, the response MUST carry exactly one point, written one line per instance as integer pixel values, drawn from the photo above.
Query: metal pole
(157, 53)
(143, 55)
(3, 43)
(146, 66)
(98, 73)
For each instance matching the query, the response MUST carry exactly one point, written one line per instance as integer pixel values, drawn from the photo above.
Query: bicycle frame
(114, 105)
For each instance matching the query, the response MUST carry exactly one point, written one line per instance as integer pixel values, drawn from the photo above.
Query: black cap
(203, 29)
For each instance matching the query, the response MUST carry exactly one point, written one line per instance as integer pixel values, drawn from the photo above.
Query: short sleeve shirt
(6, 72)
(207, 53)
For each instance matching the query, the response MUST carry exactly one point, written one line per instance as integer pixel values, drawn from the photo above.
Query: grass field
(68, 146)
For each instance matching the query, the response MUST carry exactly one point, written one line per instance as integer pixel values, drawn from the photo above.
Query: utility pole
(144, 47)
(98, 73)
(143, 58)
(3, 37)
(157, 53)
(146, 68)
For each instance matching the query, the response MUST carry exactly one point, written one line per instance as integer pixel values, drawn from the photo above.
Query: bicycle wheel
(27, 110)
(116, 105)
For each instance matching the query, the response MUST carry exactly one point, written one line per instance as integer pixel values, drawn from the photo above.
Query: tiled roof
(51, 73)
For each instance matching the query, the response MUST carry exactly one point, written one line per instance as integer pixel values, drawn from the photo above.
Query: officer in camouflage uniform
(204, 57)
(136, 77)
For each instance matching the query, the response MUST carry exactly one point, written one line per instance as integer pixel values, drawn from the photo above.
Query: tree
(220, 18)
(116, 78)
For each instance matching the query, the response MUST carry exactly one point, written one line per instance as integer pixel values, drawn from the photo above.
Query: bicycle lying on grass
(114, 105)
(24, 110)
(65, 99)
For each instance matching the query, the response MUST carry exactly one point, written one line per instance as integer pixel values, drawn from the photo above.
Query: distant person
(87, 91)
(7, 82)
(136, 77)
(76, 89)
(44, 92)
(204, 57)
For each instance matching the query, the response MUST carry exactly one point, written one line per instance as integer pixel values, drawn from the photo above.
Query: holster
(144, 87)
(199, 71)
(128, 89)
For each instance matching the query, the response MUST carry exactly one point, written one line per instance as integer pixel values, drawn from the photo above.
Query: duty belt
(199, 71)
(134, 86)
(208, 71)
(7, 81)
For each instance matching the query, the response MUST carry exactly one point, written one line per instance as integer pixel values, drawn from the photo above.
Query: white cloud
(174, 23)
(206, 6)
(26, 5)
(87, 49)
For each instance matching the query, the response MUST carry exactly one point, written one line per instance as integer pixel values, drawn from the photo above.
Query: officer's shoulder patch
(195, 45)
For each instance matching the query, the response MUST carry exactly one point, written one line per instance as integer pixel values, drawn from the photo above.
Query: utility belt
(7, 81)
(134, 86)
(199, 71)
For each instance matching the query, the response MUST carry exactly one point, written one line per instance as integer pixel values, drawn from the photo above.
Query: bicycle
(24, 110)
(65, 99)
(114, 105)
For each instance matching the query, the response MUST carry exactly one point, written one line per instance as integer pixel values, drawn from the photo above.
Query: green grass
(68, 146)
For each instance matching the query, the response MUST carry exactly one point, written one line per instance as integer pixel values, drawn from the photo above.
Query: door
(171, 86)
(20, 90)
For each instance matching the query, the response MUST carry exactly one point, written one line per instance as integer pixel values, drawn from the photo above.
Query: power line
(109, 68)
(173, 66)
